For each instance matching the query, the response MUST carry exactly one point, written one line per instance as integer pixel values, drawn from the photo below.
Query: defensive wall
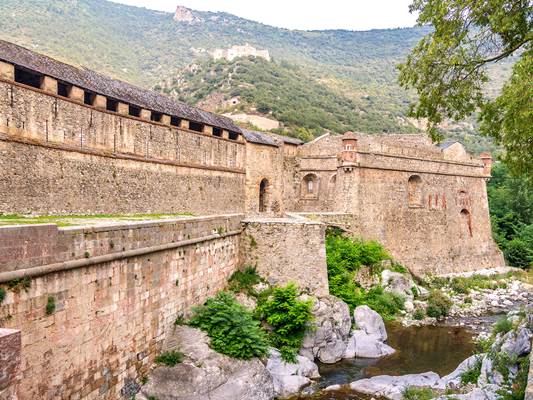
(117, 291)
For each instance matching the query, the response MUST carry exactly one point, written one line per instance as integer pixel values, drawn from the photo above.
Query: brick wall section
(10, 346)
(288, 250)
(85, 160)
(111, 318)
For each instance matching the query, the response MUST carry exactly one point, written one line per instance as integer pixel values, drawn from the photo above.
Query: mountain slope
(286, 92)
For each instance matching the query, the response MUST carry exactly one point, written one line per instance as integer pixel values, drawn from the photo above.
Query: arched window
(263, 186)
(310, 186)
(466, 223)
(414, 191)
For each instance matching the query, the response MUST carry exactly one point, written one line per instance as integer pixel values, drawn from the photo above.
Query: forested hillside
(319, 79)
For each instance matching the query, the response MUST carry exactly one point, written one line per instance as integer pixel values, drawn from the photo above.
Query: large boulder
(392, 387)
(205, 374)
(517, 344)
(398, 283)
(326, 339)
(370, 322)
(364, 345)
(453, 380)
(290, 378)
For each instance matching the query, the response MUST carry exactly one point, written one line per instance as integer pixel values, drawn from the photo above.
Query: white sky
(302, 14)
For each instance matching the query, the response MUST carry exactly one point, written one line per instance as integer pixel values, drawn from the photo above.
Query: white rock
(398, 283)
(409, 306)
(290, 378)
(370, 322)
(393, 387)
(453, 380)
(367, 346)
(332, 388)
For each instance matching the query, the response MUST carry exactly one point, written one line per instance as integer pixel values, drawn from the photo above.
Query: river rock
(392, 387)
(370, 322)
(453, 380)
(398, 283)
(488, 392)
(518, 343)
(290, 378)
(205, 374)
(327, 339)
(366, 346)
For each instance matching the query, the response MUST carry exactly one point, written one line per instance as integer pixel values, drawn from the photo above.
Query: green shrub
(467, 300)
(395, 267)
(16, 285)
(419, 313)
(243, 281)
(503, 325)
(460, 285)
(289, 319)
(386, 304)
(2, 295)
(50, 305)
(438, 304)
(483, 345)
(418, 393)
(516, 390)
(231, 327)
(180, 320)
(472, 374)
(170, 358)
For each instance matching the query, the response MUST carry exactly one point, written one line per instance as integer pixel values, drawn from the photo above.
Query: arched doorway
(263, 186)
(414, 191)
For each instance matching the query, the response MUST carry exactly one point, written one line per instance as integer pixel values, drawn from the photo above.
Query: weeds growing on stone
(2, 295)
(169, 358)
(503, 325)
(16, 285)
(50, 305)
(418, 393)
(419, 313)
(243, 281)
(472, 374)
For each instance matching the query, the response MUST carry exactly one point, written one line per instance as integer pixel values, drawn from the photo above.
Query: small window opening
(414, 191)
(63, 89)
(134, 111)
(28, 78)
(111, 105)
(310, 185)
(175, 121)
(195, 126)
(466, 222)
(263, 195)
(233, 135)
(156, 117)
(88, 98)
(217, 132)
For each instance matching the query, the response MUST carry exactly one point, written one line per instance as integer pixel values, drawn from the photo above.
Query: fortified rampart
(117, 291)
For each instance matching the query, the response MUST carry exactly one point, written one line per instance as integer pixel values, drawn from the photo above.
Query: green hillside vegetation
(286, 92)
(352, 73)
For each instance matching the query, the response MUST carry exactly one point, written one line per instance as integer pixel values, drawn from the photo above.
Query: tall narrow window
(263, 187)
(466, 223)
(414, 191)
(309, 186)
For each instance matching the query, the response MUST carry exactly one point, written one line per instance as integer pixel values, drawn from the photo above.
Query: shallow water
(419, 349)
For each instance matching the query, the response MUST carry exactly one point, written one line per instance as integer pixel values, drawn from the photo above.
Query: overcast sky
(302, 14)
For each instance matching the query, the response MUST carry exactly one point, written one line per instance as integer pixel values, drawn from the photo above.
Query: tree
(448, 69)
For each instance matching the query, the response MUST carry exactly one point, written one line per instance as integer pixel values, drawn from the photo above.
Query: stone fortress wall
(93, 145)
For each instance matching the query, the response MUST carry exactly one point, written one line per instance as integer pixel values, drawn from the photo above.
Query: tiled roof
(112, 88)
(287, 139)
(258, 137)
(446, 144)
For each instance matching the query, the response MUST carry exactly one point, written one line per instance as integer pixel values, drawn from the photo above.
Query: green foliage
(344, 257)
(243, 281)
(395, 267)
(483, 345)
(2, 294)
(516, 390)
(438, 304)
(231, 327)
(448, 69)
(472, 374)
(288, 317)
(16, 285)
(170, 358)
(50, 305)
(419, 313)
(503, 325)
(511, 209)
(180, 320)
(418, 393)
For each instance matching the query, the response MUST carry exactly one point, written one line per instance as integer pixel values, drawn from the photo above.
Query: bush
(418, 393)
(419, 314)
(438, 305)
(231, 327)
(386, 304)
(460, 285)
(243, 281)
(169, 358)
(50, 305)
(2, 295)
(503, 325)
(472, 374)
(288, 317)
